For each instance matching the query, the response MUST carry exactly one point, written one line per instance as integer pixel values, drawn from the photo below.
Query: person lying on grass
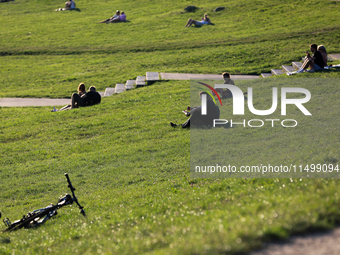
(69, 5)
(204, 21)
(113, 17)
(196, 117)
(119, 17)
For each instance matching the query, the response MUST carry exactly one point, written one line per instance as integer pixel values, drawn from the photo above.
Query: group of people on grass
(82, 98)
(118, 17)
(316, 62)
(121, 16)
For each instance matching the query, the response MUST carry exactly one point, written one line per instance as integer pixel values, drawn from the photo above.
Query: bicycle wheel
(28, 219)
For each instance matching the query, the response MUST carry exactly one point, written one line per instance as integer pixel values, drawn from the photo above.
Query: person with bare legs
(204, 21)
(314, 62)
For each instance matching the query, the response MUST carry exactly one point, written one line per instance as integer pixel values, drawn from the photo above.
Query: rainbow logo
(213, 90)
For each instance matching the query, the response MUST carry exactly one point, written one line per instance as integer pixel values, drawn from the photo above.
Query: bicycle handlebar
(73, 195)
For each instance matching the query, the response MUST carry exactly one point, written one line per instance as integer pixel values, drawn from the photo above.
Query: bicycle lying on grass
(40, 216)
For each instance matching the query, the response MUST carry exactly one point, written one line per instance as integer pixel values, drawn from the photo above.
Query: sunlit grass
(129, 167)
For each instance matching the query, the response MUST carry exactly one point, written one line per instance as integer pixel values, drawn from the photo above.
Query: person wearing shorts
(315, 63)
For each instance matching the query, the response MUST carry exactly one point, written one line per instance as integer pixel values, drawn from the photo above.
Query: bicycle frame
(40, 216)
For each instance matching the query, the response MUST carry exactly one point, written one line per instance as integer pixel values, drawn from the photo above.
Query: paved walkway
(21, 102)
(335, 56)
(314, 244)
(188, 76)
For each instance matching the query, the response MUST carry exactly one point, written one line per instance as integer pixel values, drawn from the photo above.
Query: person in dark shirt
(226, 93)
(91, 97)
(196, 118)
(315, 63)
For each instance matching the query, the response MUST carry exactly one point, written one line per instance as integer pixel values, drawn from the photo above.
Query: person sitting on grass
(226, 93)
(315, 63)
(323, 52)
(81, 89)
(69, 5)
(82, 99)
(113, 17)
(81, 92)
(91, 97)
(121, 18)
(204, 21)
(196, 118)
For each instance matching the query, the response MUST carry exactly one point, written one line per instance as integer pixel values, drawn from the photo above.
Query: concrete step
(120, 87)
(152, 77)
(277, 71)
(297, 65)
(109, 91)
(264, 75)
(287, 69)
(101, 93)
(140, 81)
(130, 84)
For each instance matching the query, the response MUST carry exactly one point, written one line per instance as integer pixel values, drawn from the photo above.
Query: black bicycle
(40, 216)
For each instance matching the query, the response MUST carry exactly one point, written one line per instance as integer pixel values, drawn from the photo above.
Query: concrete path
(314, 244)
(188, 76)
(20, 102)
(335, 56)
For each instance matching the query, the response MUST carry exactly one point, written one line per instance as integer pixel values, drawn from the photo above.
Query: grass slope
(60, 49)
(132, 175)
(130, 169)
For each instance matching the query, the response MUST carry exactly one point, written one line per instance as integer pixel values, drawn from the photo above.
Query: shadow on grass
(75, 9)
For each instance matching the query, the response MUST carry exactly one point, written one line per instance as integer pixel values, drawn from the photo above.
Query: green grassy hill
(60, 49)
(131, 172)
(130, 168)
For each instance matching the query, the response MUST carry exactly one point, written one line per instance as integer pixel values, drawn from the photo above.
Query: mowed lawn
(129, 167)
(47, 53)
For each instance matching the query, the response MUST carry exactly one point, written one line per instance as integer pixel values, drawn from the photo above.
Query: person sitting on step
(314, 62)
